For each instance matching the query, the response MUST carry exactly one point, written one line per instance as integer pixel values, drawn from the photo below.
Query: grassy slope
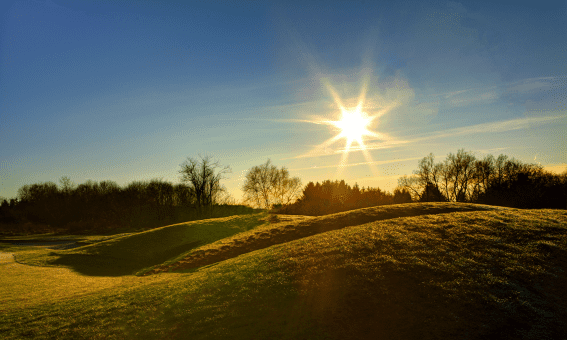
(469, 275)
(128, 254)
(286, 228)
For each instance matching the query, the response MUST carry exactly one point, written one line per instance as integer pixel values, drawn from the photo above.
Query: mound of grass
(133, 252)
(466, 275)
(286, 228)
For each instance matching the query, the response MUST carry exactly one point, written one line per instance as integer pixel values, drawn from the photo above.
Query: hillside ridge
(282, 232)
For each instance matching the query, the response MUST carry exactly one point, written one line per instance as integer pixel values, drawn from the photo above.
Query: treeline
(331, 197)
(499, 181)
(104, 206)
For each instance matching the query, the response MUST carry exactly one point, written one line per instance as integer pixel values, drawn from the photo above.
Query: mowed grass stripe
(282, 231)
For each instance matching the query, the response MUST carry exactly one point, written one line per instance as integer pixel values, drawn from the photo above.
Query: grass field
(426, 271)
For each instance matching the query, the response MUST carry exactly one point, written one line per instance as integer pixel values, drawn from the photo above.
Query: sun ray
(370, 161)
(325, 144)
(361, 98)
(335, 95)
(353, 125)
(344, 158)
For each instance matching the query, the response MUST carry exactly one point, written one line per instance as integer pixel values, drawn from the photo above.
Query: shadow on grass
(95, 265)
(312, 226)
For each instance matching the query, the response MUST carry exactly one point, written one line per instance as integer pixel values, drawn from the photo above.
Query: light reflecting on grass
(479, 274)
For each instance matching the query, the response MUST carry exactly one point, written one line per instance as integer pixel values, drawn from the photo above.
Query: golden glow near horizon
(354, 126)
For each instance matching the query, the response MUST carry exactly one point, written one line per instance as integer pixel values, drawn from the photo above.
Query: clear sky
(127, 90)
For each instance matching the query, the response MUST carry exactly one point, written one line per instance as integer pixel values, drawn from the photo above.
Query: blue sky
(127, 90)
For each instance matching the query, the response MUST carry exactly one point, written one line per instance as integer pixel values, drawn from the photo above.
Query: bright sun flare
(354, 126)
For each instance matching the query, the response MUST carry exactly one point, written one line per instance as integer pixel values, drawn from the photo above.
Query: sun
(353, 125)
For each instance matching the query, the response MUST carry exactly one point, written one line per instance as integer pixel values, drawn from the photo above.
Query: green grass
(285, 228)
(130, 253)
(473, 274)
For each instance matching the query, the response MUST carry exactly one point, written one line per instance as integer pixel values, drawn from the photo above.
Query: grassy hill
(132, 252)
(424, 271)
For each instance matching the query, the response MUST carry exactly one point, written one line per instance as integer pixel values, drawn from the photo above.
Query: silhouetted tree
(258, 185)
(431, 193)
(497, 181)
(412, 185)
(97, 206)
(459, 174)
(286, 189)
(266, 186)
(401, 195)
(203, 176)
(39, 202)
(184, 195)
(161, 198)
(331, 197)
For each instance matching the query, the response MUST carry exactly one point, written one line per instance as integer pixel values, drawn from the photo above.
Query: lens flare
(354, 125)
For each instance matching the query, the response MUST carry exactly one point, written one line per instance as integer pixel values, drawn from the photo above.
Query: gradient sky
(127, 90)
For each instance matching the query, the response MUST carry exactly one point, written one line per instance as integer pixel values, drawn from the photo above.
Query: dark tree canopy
(104, 206)
(502, 181)
(335, 196)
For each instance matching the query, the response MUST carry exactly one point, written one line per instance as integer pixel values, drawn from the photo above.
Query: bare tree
(285, 189)
(484, 175)
(258, 184)
(426, 182)
(67, 186)
(412, 185)
(460, 175)
(456, 179)
(225, 198)
(203, 176)
(428, 172)
(266, 185)
(499, 166)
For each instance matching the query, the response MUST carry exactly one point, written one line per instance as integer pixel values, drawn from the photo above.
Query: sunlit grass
(286, 228)
(476, 274)
(133, 252)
